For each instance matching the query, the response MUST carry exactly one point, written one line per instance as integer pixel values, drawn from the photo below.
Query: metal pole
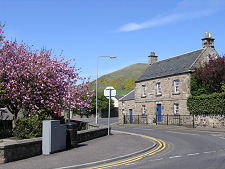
(69, 109)
(167, 122)
(109, 110)
(96, 120)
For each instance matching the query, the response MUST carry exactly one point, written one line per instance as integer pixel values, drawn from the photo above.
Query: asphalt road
(184, 149)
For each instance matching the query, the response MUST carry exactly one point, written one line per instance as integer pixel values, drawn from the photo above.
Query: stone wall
(209, 121)
(205, 57)
(19, 149)
(212, 121)
(90, 134)
(13, 150)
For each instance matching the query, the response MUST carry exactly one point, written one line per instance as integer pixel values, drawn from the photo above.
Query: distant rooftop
(129, 96)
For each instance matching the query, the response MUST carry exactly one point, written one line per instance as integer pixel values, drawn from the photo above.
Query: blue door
(159, 112)
(131, 115)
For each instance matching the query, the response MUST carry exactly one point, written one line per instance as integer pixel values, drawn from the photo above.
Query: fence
(210, 120)
(135, 119)
(177, 120)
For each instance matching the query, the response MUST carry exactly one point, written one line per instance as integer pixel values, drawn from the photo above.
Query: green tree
(103, 105)
(210, 78)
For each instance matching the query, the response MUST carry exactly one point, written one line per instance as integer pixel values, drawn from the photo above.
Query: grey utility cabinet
(53, 136)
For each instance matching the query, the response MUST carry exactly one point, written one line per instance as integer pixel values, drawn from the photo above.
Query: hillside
(122, 80)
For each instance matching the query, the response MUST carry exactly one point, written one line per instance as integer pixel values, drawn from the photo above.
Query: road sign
(108, 90)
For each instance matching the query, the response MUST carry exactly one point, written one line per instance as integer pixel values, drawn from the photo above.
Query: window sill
(159, 94)
(176, 93)
(143, 96)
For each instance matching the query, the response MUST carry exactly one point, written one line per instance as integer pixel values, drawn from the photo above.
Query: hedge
(207, 104)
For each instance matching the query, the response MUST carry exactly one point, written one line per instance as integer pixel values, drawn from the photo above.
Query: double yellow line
(161, 146)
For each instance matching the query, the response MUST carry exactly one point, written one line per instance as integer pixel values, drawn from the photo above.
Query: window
(176, 86)
(123, 104)
(143, 91)
(143, 110)
(158, 85)
(176, 109)
(124, 112)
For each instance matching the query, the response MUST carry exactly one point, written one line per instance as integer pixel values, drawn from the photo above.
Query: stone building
(165, 85)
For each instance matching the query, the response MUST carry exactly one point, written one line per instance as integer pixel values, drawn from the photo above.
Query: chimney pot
(152, 58)
(208, 41)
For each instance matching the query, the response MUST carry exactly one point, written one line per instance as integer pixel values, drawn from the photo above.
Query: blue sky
(128, 29)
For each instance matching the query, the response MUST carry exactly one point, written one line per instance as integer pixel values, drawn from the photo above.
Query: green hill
(122, 80)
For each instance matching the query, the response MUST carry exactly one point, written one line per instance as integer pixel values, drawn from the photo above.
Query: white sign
(107, 92)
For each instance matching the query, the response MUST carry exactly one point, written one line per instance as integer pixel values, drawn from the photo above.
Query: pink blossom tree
(33, 80)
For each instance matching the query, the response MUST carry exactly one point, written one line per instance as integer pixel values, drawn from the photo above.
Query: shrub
(207, 104)
(29, 127)
(209, 78)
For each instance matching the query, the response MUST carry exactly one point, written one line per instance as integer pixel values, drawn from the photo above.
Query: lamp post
(111, 57)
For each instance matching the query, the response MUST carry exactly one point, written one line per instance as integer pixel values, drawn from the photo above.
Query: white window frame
(159, 88)
(176, 109)
(176, 84)
(143, 94)
(143, 110)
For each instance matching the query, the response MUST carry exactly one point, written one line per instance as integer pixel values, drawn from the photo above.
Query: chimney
(207, 41)
(152, 58)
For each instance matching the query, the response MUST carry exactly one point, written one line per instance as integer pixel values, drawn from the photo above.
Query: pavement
(118, 145)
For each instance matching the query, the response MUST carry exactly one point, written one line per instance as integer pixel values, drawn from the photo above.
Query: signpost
(108, 93)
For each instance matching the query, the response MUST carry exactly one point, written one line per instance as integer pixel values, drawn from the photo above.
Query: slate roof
(129, 96)
(172, 66)
(118, 97)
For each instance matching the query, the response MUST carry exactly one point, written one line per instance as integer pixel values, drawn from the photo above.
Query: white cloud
(184, 10)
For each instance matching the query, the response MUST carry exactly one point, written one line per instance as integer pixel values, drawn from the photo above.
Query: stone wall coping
(93, 129)
(12, 143)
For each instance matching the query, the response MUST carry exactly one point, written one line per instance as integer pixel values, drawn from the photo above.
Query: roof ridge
(178, 56)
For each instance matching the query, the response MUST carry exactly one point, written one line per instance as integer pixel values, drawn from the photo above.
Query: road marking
(162, 146)
(207, 152)
(141, 129)
(157, 159)
(130, 163)
(193, 154)
(217, 135)
(222, 138)
(182, 133)
(175, 157)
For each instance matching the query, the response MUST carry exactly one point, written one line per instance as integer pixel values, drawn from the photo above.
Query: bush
(29, 127)
(207, 104)
(210, 78)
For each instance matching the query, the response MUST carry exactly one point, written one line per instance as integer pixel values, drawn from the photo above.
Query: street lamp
(111, 57)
